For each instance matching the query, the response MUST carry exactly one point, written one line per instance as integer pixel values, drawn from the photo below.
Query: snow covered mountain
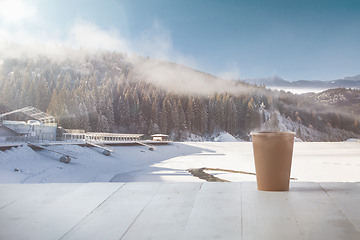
(277, 81)
(113, 92)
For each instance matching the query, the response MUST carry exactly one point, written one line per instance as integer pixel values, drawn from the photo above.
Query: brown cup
(273, 156)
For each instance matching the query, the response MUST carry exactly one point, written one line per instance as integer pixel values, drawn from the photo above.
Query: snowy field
(298, 90)
(312, 162)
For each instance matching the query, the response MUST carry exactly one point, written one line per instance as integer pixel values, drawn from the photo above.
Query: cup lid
(272, 133)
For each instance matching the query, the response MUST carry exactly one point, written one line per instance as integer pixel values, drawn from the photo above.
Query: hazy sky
(296, 39)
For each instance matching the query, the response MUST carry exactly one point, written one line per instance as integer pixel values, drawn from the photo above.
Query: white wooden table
(167, 210)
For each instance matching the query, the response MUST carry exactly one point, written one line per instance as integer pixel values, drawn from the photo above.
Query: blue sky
(303, 39)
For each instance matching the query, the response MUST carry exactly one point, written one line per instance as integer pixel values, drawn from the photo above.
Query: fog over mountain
(104, 91)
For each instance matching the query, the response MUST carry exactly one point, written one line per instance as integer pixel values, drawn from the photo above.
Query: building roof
(34, 113)
(159, 135)
(101, 134)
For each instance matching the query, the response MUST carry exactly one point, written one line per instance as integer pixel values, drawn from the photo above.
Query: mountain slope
(113, 92)
(348, 100)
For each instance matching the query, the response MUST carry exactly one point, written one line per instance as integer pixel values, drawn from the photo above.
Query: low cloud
(181, 79)
(12, 11)
(80, 34)
(85, 34)
(232, 72)
(155, 42)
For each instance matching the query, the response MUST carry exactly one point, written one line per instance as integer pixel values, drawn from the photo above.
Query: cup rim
(267, 133)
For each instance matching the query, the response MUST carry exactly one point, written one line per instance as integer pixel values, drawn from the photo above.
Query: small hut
(160, 137)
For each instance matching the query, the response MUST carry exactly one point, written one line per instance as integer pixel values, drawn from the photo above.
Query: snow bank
(225, 137)
(194, 138)
(352, 140)
(129, 163)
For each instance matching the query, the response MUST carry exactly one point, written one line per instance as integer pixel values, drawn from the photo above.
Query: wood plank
(317, 215)
(347, 197)
(146, 145)
(167, 214)
(10, 193)
(267, 215)
(101, 147)
(52, 210)
(179, 211)
(112, 219)
(216, 213)
(62, 152)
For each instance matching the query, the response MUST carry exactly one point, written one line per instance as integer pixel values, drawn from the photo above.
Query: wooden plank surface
(52, 210)
(216, 212)
(179, 211)
(12, 192)
(304, 212)
(347, 198)
(112, 219)
(267, 215)
(317, 215)
(167, 214)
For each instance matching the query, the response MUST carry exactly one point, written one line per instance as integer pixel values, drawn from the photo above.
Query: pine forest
(106, 91)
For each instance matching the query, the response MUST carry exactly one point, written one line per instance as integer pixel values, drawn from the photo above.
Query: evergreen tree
(124, 113)
(154, 125)
(24, 95)
(231, 116)
(164, 118)
(219, 112)
(252, 118)
(42, 95)
(190, 115)
(84, 121)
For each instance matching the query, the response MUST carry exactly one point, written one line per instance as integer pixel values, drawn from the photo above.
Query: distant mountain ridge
(277, 81)
(341, 98)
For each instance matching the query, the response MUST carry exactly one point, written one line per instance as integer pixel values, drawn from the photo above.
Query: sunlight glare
(13, 10)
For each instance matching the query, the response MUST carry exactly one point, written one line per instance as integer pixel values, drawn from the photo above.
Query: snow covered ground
(297, 90)
(312, 162)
